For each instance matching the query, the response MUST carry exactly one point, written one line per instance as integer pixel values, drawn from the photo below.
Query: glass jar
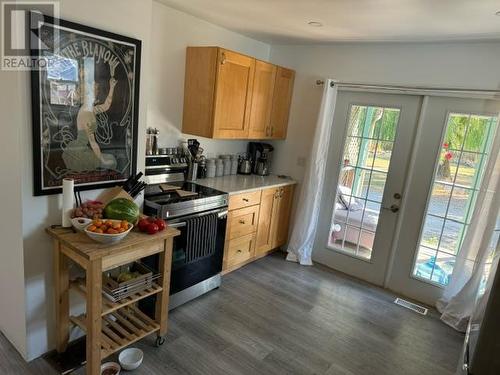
(234, 164)
(211, 168)
(226, 159)
(219, 168)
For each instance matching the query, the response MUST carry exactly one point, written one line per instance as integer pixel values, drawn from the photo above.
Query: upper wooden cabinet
(228, 95)
(262, 100)
(282, 98)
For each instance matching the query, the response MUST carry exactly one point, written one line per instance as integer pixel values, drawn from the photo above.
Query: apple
(152, 228)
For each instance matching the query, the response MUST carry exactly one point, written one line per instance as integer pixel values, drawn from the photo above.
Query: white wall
(12, 317)
(468, 65)
(172, 32)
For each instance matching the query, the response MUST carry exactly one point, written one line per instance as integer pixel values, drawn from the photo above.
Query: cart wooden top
(91, 250)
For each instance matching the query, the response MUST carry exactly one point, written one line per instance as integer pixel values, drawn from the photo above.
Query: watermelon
(122, 209)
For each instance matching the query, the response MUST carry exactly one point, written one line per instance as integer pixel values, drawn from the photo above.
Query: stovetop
(155, 194)
(171, 204)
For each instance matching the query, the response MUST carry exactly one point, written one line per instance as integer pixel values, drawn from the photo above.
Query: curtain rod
(321, 82)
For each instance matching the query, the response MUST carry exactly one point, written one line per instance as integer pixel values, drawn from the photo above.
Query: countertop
(239, 183)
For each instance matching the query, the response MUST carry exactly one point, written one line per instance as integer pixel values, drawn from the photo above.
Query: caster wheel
(159, 341)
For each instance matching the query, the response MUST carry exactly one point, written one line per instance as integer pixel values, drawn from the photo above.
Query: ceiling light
(315, 24)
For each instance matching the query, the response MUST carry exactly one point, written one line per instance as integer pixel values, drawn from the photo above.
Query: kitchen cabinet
(228, 95)
(282, 98)
(266, 226)
(262, 100)
(274, 217)
(258, 223)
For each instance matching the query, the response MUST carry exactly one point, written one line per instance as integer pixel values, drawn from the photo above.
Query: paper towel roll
(67, 206)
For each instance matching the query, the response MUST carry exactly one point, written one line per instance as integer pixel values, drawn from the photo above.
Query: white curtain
(458, 299)
(304, 230)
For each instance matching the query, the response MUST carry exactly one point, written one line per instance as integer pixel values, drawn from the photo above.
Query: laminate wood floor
(276, 317)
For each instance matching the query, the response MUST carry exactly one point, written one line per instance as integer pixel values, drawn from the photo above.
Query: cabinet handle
(242, 221)
(245, 200)
(276, 194)
(267, 131)
(223, 58)
(272, 130)
(281, 193)
(239, 251)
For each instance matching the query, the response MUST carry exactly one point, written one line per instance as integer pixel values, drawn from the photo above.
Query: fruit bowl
(106, 237)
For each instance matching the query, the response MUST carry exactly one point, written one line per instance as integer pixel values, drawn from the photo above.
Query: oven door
(198, 251)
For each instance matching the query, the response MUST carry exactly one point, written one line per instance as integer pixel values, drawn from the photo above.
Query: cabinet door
(233, 92)
(283, 89)
(266, 231)
(262, 100)
(282, 217)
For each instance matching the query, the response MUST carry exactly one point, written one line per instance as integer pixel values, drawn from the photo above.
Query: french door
(368, 160)
(456, 138)
(403, 176)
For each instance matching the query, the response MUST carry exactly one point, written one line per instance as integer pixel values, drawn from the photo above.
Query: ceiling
(286, 21)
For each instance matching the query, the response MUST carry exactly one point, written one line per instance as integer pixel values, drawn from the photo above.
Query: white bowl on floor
(131, 358)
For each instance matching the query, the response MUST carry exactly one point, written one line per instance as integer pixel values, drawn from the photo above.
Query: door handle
(393, 208)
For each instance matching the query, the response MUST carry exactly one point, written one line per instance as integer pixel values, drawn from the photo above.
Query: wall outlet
(301, 161)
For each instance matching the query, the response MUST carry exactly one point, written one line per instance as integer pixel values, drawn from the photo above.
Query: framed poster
(85, 105)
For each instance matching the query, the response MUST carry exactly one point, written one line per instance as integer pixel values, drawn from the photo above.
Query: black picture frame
(120, 122)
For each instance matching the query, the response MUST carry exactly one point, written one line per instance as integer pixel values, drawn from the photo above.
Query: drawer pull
(242, 221)
(246, 200)
(239, 251)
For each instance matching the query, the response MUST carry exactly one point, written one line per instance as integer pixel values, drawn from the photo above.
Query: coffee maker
(260, 157)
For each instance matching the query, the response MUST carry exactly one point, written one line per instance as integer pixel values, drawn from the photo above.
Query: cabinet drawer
(240, 249)
(242, 221)
(244, 199)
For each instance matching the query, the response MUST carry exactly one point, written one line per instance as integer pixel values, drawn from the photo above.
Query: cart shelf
(120, 328)
(108, 306)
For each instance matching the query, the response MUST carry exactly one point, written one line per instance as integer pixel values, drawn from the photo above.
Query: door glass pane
(366, 160)
(460, 166)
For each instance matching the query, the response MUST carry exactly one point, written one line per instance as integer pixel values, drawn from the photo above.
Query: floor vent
(412, 306)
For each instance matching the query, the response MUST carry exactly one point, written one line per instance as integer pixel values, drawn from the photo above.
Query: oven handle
(180, 224)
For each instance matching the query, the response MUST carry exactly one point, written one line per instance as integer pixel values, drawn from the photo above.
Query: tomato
(143, 224)
(152, 228)
(161, 224)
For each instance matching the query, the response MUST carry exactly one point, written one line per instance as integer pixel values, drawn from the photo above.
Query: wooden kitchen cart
(109, 326)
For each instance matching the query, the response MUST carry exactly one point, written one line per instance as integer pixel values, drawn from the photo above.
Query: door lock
(393, 208)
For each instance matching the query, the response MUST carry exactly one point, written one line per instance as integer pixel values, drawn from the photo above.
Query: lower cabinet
(257, 224)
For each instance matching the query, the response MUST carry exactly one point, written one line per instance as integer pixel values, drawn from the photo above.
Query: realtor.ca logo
(20, 26)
